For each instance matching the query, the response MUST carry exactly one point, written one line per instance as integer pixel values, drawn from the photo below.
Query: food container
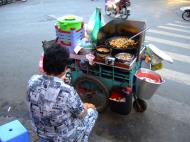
(124, 57)
(102, 51)
(147, 82)
(120, 101)
(109, 60)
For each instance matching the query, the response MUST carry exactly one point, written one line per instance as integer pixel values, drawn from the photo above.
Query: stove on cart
(119, 30)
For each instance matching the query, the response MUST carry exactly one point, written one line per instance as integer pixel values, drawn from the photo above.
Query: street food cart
(95, 82)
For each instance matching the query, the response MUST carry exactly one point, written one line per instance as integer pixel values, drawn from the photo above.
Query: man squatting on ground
(57, 112)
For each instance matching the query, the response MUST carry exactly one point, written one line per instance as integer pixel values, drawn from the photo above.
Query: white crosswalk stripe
(177, 25)
(179, 57)
(168, 42)
(183, 23)
(169, 34)
(174, 35)
(175, 29)
(175, 76)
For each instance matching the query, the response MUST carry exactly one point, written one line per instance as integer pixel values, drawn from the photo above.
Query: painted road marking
(174, 29)
(168, 42)
(179, 77)
(179, 57)
(168, 34)
(180, 26)
(184, 23)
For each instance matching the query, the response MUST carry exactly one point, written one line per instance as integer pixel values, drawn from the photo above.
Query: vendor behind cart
(56, 109)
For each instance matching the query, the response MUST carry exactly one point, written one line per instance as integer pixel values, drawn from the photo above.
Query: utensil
(139, 33)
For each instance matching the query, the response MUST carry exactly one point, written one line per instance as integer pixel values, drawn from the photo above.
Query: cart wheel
(93, 91)
(139, 105)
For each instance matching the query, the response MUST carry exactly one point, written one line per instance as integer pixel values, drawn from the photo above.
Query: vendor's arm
(75, 104)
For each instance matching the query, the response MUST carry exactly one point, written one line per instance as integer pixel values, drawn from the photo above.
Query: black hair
(55, 59)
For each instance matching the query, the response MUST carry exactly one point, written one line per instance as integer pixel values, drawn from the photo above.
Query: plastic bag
(155, 61)
(91, 23)
(94, 24)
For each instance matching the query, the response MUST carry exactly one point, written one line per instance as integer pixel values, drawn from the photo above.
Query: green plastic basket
(67, 23)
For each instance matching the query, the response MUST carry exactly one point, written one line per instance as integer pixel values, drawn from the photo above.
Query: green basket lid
(69, 22)
(69, 19)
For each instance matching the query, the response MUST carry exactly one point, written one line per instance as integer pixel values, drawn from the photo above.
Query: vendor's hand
(90, 57)
(89, 105)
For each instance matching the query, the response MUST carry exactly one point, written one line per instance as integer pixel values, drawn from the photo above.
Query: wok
(129, 47)
(115, 50)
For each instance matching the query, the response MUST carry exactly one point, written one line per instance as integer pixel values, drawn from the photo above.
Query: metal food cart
(94, 82)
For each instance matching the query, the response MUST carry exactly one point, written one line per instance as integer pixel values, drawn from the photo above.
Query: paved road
(24, 25)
